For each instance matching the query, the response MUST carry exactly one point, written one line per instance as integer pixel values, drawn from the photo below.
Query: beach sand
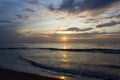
(14, 75)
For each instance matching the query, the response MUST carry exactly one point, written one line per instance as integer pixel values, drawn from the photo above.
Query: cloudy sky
(52, 20)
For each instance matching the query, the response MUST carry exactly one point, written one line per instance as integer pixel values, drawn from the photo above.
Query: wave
(103, 65)
(74, 73)
(109, 51)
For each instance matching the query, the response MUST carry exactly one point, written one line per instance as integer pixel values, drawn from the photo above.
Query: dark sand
(14, 75)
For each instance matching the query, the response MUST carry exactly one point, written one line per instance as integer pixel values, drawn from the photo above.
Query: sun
(63, 77)
(64, 38)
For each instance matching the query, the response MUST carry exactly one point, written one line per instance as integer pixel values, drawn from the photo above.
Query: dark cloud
(77, 29)
(68, 5)
(4, 21)
(76, 6)
(72, 29)
(28, 10)
(86, 29)
(34, 2)
(114, 16)
(22, 17)
(97, 4)
(86, 35)
(111, 24)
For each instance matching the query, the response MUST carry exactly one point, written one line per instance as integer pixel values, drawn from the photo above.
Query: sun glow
(64, 38)
(63, 77)
(65, 32)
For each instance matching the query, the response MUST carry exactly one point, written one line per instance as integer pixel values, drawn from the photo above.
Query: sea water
(80, 61)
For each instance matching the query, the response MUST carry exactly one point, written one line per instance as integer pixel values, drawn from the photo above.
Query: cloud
(5, 21)
(72, 29)
(111, 24)
(60, 18)
(114, 16)
(97, 4)
(73, 6)
(68, 5)
(77, 29)
(22, 17)
(77, 6)
(28, 10)
(86, 29)
(34, 2)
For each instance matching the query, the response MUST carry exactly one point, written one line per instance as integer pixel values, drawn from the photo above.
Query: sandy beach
(14, 75)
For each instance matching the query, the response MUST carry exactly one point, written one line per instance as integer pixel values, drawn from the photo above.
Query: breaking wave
(109, 51)
(76, 73)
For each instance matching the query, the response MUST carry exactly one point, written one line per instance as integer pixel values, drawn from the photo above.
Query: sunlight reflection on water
(65, 60)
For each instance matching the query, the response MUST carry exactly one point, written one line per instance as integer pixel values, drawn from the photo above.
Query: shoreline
(6, 74)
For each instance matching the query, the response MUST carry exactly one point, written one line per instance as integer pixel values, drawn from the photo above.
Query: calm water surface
(83, 61)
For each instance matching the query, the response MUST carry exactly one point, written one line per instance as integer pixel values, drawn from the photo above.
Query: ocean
(67, 61)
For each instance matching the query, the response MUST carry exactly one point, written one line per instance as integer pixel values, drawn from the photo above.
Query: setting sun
(63, 77)
(64, 38)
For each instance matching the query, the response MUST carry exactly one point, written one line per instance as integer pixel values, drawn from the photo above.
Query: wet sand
(14, 75)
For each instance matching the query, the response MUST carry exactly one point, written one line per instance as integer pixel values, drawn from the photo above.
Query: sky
(60, 21)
